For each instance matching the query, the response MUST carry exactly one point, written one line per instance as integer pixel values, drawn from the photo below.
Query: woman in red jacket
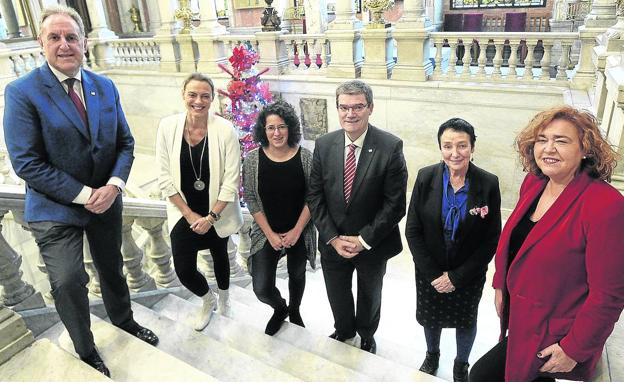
(560, 259)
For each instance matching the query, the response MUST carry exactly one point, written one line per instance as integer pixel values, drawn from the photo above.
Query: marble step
(128, 358)
(245, 304)
(44, 361)
(203, 352)
(274, 352)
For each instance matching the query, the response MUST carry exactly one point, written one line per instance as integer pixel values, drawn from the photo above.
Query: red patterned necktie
(349, 172)
(76, 99)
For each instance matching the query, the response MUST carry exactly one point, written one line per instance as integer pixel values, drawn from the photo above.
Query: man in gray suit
(68, 138)
(357, 198)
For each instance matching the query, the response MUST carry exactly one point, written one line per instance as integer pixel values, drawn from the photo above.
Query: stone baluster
(513, 59)
(528, 61)
(438, 58)
(467, 56)
(14, 290)
(482, 58)
(451, 72)
(235, 268)
(206, 265)
(545, 63)
(158, 252)
(564, 61)
(94, 277)
(20, 65)
(244, 241)
(498, 59)
(290, 49)
(138, 280)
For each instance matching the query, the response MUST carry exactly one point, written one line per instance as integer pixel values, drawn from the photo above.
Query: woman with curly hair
(275, 181)
(559, 261)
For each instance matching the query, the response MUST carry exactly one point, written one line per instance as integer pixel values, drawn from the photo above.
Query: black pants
(61, 248)
(491, 367)
(338, 274)
(264, 266)
(184, 246)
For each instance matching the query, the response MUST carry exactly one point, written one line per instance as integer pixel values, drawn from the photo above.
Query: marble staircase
(229, 349)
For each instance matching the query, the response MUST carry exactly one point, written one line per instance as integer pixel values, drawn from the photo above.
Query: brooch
(481, 211)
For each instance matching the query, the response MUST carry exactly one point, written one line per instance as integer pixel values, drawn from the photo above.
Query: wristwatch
(215, 215)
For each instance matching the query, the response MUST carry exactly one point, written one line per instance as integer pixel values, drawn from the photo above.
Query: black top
(521, 231)
(196, 200)
(281, 186)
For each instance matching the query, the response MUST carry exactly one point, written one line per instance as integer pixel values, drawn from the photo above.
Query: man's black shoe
(338, 337)
(96, 362)
(369, 345)
(276, 320)
(144, 334)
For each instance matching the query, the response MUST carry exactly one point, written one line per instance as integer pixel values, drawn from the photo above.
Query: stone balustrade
(136, 53)
(146, 252)
(497, 56)
(16, 63)
(311, 50)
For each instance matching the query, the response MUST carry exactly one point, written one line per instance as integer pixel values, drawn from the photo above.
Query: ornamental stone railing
(145, 249)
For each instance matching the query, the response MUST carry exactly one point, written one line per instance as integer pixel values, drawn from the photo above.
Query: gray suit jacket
(377, 198)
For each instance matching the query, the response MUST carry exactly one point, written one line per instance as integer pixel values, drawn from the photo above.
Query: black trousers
(264, 266)
(184, 247)
(491, 367)
(363, 316)
(61, 247)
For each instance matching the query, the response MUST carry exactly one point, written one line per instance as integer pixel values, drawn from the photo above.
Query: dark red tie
(349, 172)
(76, 99)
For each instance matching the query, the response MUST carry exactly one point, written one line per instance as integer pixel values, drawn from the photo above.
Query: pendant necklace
(199, 184)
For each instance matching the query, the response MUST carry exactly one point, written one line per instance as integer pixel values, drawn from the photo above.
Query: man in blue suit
(68, 139)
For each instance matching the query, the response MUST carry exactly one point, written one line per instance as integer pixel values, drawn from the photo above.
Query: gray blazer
(254, 204)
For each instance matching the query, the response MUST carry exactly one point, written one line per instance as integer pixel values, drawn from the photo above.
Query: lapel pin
(92, 93)
(370, 150)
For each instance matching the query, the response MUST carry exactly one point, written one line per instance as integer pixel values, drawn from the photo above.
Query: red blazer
(565, 283)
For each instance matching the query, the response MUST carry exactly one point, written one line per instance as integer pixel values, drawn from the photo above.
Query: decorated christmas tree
(247, 94)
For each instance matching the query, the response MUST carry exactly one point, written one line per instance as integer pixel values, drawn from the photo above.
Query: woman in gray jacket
(275, 181)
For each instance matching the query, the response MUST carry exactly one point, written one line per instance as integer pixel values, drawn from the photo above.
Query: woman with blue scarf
(453, 226)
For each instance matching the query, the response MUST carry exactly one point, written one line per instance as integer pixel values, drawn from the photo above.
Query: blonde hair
(600, 158)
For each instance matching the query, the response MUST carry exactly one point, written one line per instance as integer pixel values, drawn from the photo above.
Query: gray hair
(61, 10)
(355, 87)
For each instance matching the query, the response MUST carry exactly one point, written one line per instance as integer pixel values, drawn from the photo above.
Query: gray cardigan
(254, 204)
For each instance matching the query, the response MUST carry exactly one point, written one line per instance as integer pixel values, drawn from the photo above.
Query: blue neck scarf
(453, 205)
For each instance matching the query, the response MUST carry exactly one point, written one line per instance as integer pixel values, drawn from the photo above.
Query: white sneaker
(223, 306)
(205, 312)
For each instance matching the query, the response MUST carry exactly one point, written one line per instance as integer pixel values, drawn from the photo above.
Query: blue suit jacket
(54, 152)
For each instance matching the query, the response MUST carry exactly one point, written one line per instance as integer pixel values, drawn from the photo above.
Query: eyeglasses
(356, 108)
(271, 128)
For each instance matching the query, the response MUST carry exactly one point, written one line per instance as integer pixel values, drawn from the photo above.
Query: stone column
(10, 18)
(272, 51)
(379, 53)
(169, 55)
(187, 53)
(345, 41)
(412, 37)
(599, 19)
(315, 16)
(100, 35)
(438, 15)
(209, 47)
(154, 16)
(613, 121)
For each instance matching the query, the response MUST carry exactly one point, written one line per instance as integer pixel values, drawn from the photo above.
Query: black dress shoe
(460, 371)
(295, 317)
(144, 334)
(431, 363)
(369, 345)
(96, 362)
(276, 321)
(339, 337)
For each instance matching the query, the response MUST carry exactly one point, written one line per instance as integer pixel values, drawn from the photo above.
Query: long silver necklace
(199, 184)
